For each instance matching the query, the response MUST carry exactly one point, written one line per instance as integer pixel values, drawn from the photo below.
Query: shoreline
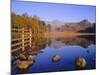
(55, 34)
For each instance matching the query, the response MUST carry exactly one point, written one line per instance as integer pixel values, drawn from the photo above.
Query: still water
(68, 49)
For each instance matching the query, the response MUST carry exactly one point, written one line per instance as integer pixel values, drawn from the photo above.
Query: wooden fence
(21, 38)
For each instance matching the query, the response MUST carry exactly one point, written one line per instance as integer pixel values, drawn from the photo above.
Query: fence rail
(21, 42)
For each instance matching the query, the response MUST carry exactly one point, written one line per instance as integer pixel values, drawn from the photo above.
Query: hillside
(82, 26)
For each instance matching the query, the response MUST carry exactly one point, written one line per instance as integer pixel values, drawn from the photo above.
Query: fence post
(23, 39)
(30, 38)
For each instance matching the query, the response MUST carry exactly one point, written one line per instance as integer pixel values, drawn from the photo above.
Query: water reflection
(66, 51)
(83, 41)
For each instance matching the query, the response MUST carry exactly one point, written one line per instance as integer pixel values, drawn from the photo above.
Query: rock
(22, 64)
(80, 62)
(22, 57)
(56, 58)
(31, 59)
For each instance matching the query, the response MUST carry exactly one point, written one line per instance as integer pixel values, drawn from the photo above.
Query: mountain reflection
(83, 41)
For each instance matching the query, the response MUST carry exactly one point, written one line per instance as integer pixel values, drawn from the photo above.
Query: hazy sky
(51, 11)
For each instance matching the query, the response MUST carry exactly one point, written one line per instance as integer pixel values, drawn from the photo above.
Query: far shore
(65, 34)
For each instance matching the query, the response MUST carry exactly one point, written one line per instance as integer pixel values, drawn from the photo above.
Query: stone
(22, 64)
(56, 58)
(31, 59)
(80, 62)
(22, 57)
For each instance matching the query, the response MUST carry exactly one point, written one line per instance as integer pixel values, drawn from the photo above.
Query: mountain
(82, 26)
(91, 29)
(55, 24)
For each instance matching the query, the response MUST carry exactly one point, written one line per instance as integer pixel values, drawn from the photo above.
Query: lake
(68, 49)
